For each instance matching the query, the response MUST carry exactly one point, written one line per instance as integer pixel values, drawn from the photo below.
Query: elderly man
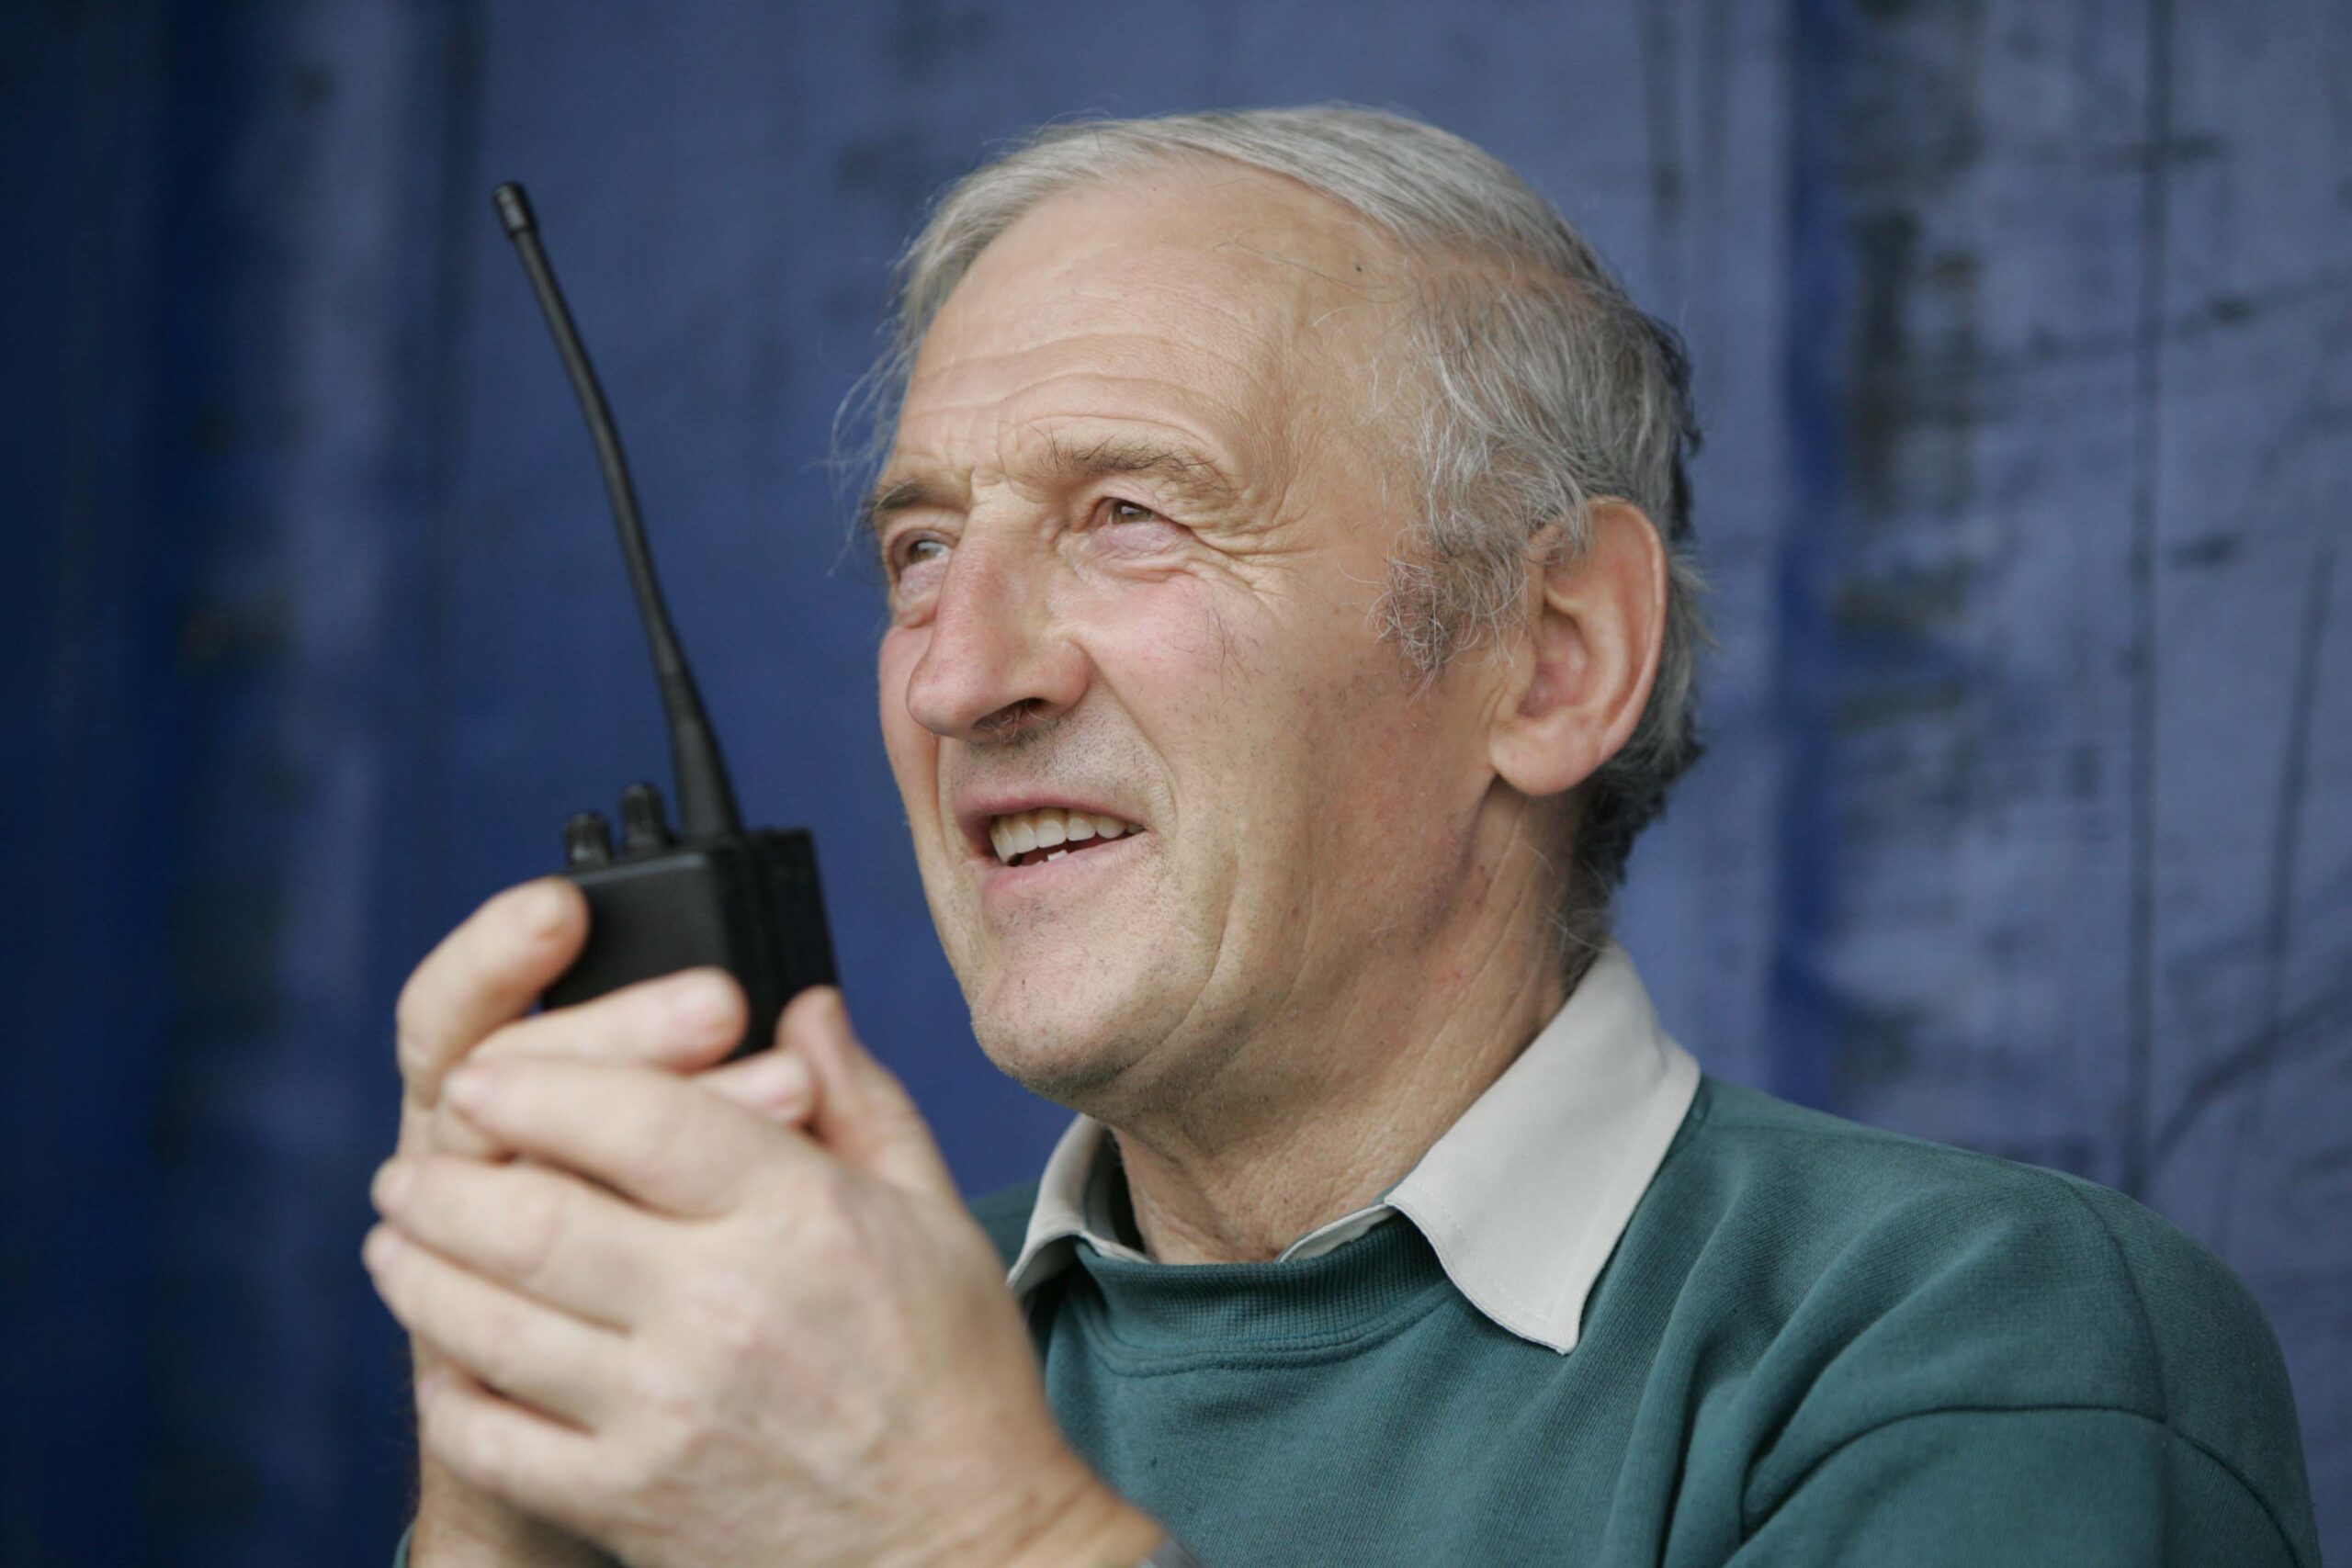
(1290, 630)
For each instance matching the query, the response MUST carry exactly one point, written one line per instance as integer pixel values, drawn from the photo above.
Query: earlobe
(1587, 654)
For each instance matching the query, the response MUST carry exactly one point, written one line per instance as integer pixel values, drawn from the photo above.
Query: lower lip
(1047, 878)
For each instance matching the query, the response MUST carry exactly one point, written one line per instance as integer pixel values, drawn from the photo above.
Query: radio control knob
(588, 841)
(645, 824)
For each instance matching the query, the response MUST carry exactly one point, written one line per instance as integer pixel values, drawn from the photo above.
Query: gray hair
(1548, 388)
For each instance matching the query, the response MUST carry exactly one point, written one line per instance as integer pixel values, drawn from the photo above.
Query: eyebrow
(886, 502)
(1191, 476)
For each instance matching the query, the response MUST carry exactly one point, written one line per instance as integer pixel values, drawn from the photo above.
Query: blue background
(2024, 337)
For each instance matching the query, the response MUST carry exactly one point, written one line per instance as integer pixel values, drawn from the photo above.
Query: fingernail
(468, 1089)
(779, 1078)
(392, 1185)
(821, 1008)
(542, 909)
(699, 1001)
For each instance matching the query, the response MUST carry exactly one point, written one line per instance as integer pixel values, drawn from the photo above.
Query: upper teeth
(1049, 826)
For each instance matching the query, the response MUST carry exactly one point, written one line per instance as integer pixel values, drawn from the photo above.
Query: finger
(864, 1115)
(497, 1446)
(546, 1234)
(547, 1359)
(651, 1135)
(488, 971)
(775, 1085)
(448, 1132)
(681, 1022)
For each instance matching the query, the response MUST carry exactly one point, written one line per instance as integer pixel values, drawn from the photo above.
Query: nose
(995, 664)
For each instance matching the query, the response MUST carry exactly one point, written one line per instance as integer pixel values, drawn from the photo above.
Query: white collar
(1523, 1199)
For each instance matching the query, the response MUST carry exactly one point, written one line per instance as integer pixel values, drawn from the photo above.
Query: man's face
(1137, 519)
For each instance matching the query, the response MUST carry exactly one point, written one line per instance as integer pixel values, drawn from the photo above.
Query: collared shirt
(1523, 1199)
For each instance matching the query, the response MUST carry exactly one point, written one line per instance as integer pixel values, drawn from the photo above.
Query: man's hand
(467, 1002)
(695, 1335)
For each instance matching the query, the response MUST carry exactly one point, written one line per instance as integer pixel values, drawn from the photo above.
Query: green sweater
(1816, 1344)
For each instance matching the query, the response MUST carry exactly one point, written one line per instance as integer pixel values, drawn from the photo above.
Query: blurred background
(2024, 340)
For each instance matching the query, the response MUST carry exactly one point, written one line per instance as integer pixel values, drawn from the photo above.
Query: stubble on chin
(1072, 1068)
(1056, 1012)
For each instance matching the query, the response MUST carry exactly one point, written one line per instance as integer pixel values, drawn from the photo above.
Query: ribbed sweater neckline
(1303, 1304)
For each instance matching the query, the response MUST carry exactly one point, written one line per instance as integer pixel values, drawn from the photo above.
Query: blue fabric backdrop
(2024, 336)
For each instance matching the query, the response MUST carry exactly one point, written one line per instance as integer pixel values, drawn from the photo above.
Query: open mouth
(1051, 833)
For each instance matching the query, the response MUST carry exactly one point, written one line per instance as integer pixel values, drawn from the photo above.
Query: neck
(1313, 1118)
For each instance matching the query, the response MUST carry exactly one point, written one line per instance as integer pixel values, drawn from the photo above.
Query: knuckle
(450, 1134)
(478, 1451)
(664, 1394)
(539, 1219)
(444, 1428)
(497, 1345)
(392, 1289)
(415, 1040)
(731, 1314)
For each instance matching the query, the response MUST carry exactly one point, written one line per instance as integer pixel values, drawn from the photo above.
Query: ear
(1581, 671)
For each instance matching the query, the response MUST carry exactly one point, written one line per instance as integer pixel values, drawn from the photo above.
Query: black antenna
(706, 799)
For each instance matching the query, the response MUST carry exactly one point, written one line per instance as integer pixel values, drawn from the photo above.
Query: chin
(1071, 1057)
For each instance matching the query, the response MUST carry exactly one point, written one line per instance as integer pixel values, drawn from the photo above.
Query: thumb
(863, 1116)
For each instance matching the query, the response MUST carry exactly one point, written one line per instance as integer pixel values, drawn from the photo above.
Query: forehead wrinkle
(1305, 294)
(1072, 459)
(1182, 463)
(1204, 441)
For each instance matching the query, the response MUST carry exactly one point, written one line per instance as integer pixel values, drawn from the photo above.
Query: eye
(916, 564)
(910, 551)
(1131, 528)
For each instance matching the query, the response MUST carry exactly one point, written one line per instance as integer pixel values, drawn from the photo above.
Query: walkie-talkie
(708, 893)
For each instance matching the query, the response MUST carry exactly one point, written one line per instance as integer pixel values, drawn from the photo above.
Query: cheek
(1182, 666)
(1243, 707)
(1375, 765)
